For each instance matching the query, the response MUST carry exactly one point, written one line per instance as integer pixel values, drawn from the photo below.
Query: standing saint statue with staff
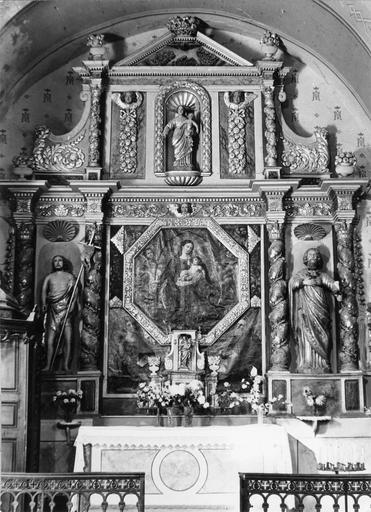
(58, 299)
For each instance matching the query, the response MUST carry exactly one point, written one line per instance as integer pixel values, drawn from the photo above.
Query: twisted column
(270, 126)
(278, 316)
(92, 303)
(95, 122)
(348, 355)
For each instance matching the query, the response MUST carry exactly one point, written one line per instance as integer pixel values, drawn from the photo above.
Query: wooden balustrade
(302, 493)
(69, 492)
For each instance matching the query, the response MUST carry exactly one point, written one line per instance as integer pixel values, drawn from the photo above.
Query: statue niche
(182, 150)
(181, 136)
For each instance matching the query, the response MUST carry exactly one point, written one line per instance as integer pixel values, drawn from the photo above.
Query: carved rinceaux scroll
(57, 157)
(129, 102)
(309, 158)
(237, 103)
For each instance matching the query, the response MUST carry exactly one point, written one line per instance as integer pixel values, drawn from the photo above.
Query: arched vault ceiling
(46, 34)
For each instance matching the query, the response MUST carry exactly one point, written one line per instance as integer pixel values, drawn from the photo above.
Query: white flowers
(345, 158)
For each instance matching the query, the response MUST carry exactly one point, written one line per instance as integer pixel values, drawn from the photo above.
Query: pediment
(182, 47)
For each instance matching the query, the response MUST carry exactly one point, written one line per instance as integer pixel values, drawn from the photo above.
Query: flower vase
(344, 170)
(170, 416)
(188, 416)
(69, 413)
(260, 416)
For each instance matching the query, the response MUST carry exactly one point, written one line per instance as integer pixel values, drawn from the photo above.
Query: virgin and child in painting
(179, 281)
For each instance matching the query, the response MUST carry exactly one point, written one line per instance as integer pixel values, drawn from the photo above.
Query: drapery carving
(309, 158)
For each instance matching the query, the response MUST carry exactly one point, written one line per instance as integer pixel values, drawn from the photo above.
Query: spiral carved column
(348, 355)
(92, 303)
(24, 278)
(278, 316)
(95, 122)
(270, 127)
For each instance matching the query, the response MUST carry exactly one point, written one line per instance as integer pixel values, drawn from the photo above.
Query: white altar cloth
(195, 466)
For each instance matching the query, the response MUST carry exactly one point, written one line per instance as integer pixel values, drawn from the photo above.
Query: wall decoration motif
(309, 231)
(127, 162)
(237, 156)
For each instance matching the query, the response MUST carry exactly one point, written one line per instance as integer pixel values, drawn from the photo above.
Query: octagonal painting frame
(243, 284)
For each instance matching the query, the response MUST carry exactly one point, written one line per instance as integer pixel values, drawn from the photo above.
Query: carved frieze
(308, 209)
(52, 208)
(204, 208)
(57, 157)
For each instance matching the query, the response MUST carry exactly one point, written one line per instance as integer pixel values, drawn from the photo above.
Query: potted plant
(270, 43)
(67, 402)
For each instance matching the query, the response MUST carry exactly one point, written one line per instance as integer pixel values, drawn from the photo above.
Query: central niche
(190, 276)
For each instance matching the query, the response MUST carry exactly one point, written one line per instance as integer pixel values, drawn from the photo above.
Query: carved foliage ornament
(312, 158)
(183, 88)
(56, 157)
(237, 129)
(61, 210)
(270, 127)
(183, 25)
(207, 209)
(128, 102)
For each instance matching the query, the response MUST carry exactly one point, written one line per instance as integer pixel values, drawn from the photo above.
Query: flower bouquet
(316, 402)
(345, 158)
(68, 401)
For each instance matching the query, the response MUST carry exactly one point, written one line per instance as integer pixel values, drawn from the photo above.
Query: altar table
(196, 466)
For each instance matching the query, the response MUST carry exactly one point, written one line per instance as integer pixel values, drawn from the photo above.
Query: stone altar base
(186, 468)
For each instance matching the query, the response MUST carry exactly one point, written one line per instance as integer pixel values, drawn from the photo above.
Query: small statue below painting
(310, 317)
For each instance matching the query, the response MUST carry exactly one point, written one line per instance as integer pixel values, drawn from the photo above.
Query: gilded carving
(24, 266)
(183, 25)
(237, 103)
(278, 316)
(312, 158)
(129, 102)
(190, 92)
(61, 210)
(316, 208)
(8, 279)
(310, 318)
(57, 157)
(92, 304)
(95, 121)
(182, 210)
(270, 127)
(349, 308)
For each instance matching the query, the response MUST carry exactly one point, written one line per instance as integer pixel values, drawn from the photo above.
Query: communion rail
(302, 493)
(68, 492)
